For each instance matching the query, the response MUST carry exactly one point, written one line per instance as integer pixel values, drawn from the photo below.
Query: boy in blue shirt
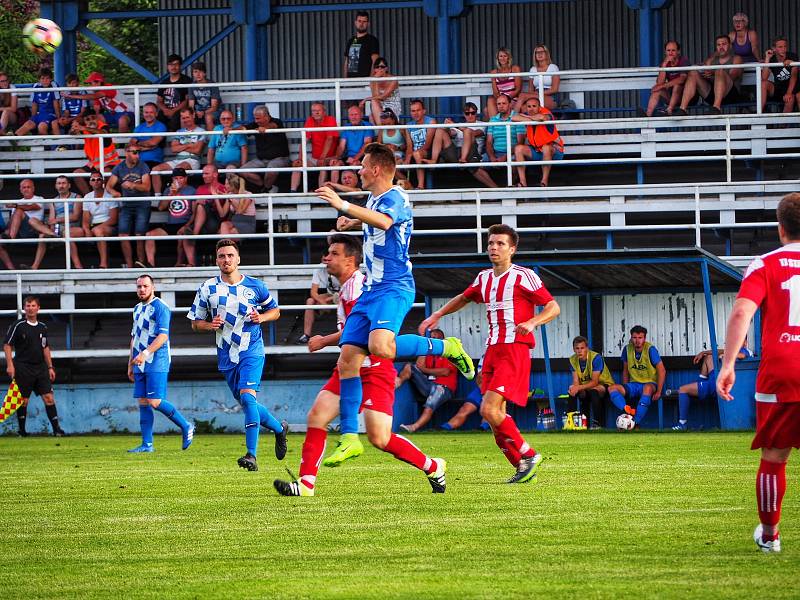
(45, 105)
(72, 107)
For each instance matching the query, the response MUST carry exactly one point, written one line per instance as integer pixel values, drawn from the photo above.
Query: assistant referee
(32, 365)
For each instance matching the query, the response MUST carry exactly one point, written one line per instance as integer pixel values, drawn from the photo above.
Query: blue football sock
(267, 420)
(617, 400)
(447, 427)
(251, 422)
(683, 406)
(172, 413)
(641, 409)
(416, 345)
(146, 419)
(349, 403)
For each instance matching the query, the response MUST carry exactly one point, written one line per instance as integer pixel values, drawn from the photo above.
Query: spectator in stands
(323, 143)
(242, 211)
(669, 84)
(324, 290)
(180, 213)
(4, 257)
(421, 138)
(543, 141)
(229, 150)
(352, 142)
(383, 95)
(510, 86)
(55, 221)
(115, 106)
(45, 105)
(398, 140)
(435, 378)
(132, 179)
(272, 150)
(361, 50)
(171, 100)
(590, 382)
(27, 220)
(348, 182)
(187, 148)
(205, 217)
(205, 100)
(100, 214)
(92, 124)
(542, 63)
(780, 80)
(8, 105)
(744, 41)
(73, 106)
(715, 87)
(643, 376)
(496, 138)
(151, 149)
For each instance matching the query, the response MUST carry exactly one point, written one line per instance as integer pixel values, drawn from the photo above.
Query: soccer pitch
(611, 515)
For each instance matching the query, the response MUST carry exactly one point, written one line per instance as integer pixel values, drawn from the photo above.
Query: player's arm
(151, 349)
(347, 224)
(48, 359)
(130, 361)
(550, 311)
(454, 305)
(273, 314)
(738, 323)
(365, 215)
(9, 360)
(318, 342)
(592, 383)
(626, 376)
(661, 376)
(203, 326)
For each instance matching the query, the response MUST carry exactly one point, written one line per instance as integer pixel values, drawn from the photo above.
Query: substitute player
(148, 367)
(31, 365)
(388, 289)
(233, 306)
(511, 294)
(771, 282)
(378, 375)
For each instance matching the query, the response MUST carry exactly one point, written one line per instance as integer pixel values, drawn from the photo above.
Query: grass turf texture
(611, 515)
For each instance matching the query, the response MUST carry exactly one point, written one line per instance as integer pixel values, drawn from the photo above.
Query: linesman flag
(11, 403)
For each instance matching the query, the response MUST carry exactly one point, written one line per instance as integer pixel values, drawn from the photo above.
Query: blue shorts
(134, 214)
(245, 375)
(536, 155)
(112, 118)
(151, 385)
(707, 389)
(41, 117)
(382, 309)
(633, 390)
(474, 397)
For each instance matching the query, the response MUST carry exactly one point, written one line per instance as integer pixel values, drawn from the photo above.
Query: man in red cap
(115, 105)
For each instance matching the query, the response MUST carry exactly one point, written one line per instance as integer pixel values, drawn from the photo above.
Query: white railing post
(540, 88)
(102, 157)
(759, 91)
(509, 150)
(304, 160)
(137, 108)
(337, 100)
(728, 149)
(478, 219)
(19, 294)
(697, 240)
(67, 253)
(270, 231)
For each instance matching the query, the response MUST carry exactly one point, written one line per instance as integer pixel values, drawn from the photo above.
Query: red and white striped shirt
(510, 299)
(348, 294)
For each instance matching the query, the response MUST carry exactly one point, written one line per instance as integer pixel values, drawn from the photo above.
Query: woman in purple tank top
(744, 40)
(510, 86)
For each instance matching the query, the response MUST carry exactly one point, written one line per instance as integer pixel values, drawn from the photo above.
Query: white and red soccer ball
(625, 422)
(42, 36)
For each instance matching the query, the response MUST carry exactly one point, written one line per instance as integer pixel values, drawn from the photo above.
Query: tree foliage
(20, 63)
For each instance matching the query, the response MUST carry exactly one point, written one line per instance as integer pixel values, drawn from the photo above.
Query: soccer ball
(42, 36)
(625, 422)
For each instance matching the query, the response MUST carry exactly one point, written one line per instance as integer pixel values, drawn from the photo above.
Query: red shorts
(777, 425)
(377, 382)
(506, 370)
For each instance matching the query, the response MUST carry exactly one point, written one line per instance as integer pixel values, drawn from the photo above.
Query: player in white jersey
(148, 367)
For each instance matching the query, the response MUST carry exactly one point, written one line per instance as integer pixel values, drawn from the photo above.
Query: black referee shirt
(28, 341)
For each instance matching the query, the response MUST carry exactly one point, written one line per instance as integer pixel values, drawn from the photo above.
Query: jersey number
(793, 285)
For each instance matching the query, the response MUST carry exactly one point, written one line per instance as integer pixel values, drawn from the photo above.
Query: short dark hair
(579, 340)
(638, 329)
(676, 42)
(470, 105)
(503, 229)
(174, 57)
(722, 36)
(62, 177)
(187, 110)
(417, 101)
(143, 275)
(227, 242)
(381, 155)
(789, 215)
(96, 172)
(45, 72)
(71, 77)
(780, 38)
(362, 13)
(199, 66)
(352, 245)
(31, 299)
(507, 97)
(153, 104)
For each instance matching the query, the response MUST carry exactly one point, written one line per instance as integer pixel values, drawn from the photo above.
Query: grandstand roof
(595, 271)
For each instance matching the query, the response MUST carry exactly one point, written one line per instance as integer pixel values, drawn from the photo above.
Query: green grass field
(611, 515)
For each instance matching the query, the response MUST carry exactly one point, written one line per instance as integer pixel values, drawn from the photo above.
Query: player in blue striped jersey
(149, 362)
(233, 306)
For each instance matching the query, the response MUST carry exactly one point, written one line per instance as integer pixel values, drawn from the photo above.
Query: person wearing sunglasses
(100, 214)
(383, 95)
(132, 179)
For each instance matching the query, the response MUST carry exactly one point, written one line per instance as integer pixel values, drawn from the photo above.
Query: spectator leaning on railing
(780, 79)
(542, 142)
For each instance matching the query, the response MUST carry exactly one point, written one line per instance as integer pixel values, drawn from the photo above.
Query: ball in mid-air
(42, 36)
(625, 422)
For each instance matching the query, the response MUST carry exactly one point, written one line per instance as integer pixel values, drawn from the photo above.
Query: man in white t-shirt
(322, 280)
(100, 214)
(27, 220)
(187, 147)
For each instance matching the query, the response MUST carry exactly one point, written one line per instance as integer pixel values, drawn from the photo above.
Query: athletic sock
(416, 345)
(509, 430)
(251, 422)
(52, 416)
(641, 409)
(770, 487)
(617, 400)
(146, 418)
(507, 449)
(683, 406)
(349, 403)
(402, 449)
(313, 449)
(173, 414)
(22, 417)
(447, 427)
(268, 420)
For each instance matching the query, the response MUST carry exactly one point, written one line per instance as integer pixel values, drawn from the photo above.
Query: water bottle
(584, 422)
(239, 113)
(539, 421)
(564, 419)
(57, 229)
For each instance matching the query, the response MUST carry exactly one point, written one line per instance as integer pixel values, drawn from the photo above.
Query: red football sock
(770, 487)
(507, 449)
(508, 429)
(403, 449)
(313, 449)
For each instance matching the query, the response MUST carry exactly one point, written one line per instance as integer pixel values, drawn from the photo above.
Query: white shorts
(194, 164)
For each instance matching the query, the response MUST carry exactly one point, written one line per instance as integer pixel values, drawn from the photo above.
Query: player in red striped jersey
(511, 294)
(772, 282)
